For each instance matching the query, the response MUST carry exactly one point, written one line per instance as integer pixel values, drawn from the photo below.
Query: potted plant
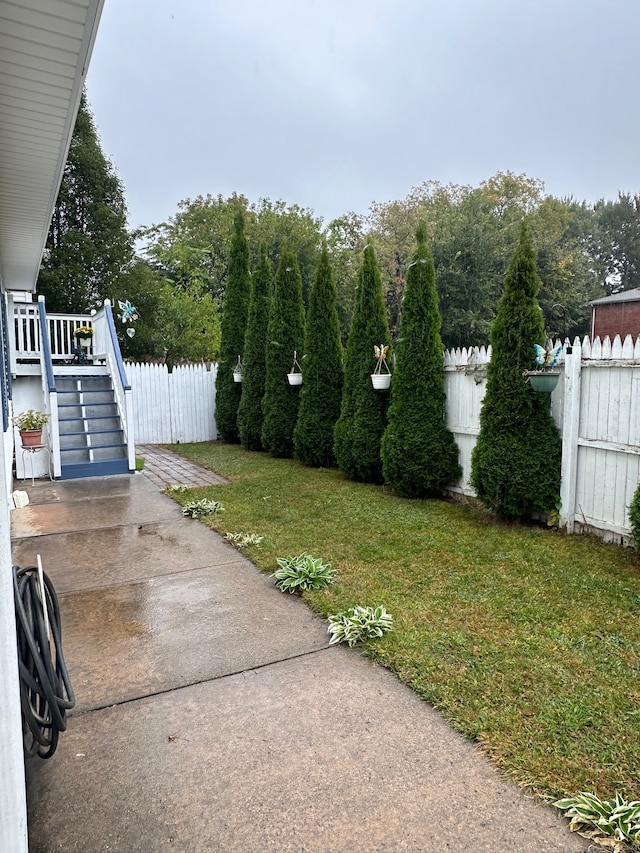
(83, 335)
(380, 380)
(295, 376)
(30, 424)
(544, 379)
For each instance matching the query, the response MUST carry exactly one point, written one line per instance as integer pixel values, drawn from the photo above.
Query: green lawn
(527, 640)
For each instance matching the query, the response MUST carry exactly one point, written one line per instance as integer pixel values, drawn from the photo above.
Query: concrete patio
(212, 715)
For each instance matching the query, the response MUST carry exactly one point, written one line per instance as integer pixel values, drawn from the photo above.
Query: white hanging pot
(381, 381)
(237, 376)
(295, 377)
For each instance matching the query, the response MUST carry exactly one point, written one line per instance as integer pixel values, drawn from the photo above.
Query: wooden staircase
(92, 442)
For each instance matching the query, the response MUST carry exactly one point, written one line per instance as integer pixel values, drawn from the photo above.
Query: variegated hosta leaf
(196, 509)
(358, 624)
(613, 821)
(302, 572)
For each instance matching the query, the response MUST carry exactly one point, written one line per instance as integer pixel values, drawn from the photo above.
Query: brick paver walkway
(165, 468)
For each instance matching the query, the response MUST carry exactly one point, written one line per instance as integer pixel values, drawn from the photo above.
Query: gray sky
(335, 104)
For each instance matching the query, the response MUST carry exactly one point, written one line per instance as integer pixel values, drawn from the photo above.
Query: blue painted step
(76, 470)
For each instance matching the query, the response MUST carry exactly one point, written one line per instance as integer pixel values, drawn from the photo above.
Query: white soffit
(45, 47)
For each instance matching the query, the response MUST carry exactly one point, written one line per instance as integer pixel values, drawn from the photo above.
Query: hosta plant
(595, 818)
(358, 624)
(198, 509)
(243, 539)
(302, 572)
(178, 489)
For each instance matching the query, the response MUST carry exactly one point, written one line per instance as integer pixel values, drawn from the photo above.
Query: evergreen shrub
(322, 373)
(285, 335)
(516, 460)
(233, 327)
(634, 516)
(419, 453)
(363, 412)
(250, 416)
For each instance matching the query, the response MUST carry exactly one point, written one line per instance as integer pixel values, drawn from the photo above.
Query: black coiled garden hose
(45, 689)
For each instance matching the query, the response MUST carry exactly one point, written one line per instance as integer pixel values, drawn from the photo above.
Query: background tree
(472, 232)
(142, 285)
(88, 246)
(285, 335)
(196, 242)
(617, 242)
(345, 239)
(250, 417)
(363, 412)
(516, 461)
(279, 225)
(419, 453)
(234, 325)
(179, 319)
(321, 391)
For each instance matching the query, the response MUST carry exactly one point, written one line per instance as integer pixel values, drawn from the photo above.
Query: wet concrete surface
(53, 509)
(131, 640)
(212, 717)
(324, 754)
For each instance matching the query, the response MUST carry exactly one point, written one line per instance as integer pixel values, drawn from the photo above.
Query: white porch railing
(26, 328)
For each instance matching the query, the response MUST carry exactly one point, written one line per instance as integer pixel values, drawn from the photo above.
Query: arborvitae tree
(234, 324)
(363, 413)
(516, 461)
(253, 367)
(321, 391)
(88, 245)
(419, 453)
(285, 335)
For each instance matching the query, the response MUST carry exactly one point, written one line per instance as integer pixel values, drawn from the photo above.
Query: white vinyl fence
(176, 406)
(595, 406)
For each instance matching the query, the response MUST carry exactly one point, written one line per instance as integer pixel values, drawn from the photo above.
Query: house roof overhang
(45, 46)
(621, 296)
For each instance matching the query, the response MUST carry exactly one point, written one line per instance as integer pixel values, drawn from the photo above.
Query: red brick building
(616, 315)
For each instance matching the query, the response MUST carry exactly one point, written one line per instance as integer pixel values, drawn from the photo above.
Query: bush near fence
(595, 406)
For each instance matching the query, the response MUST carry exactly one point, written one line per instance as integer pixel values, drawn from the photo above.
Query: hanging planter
(379, 379)
(237, 371)
(295, 376)
(542, 381)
